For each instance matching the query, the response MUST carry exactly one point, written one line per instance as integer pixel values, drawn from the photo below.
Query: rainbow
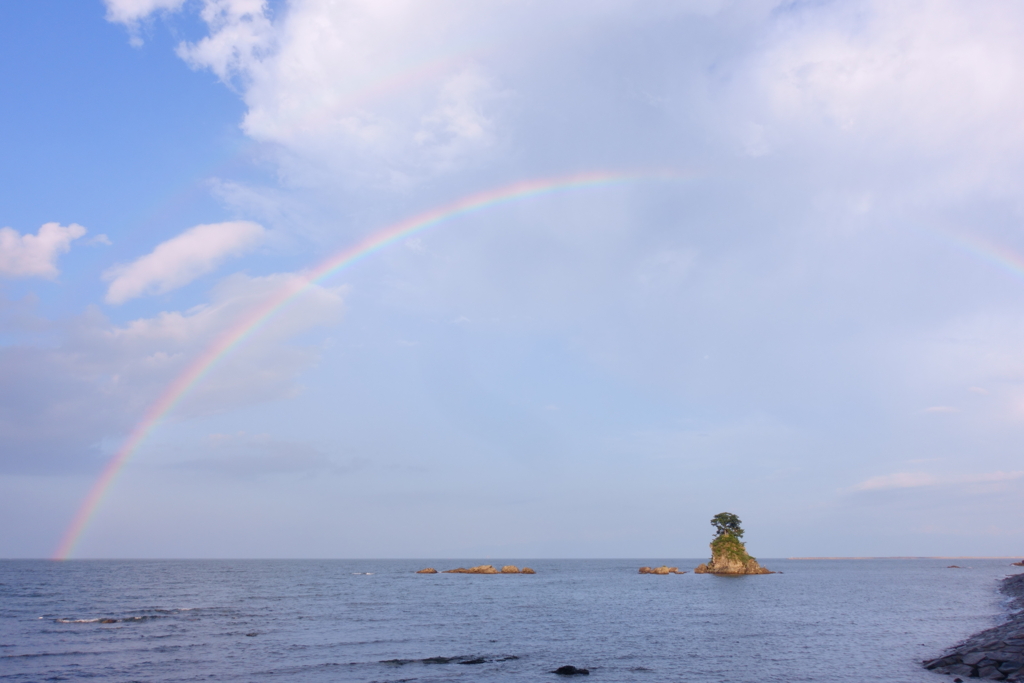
(998, 255)
(230, 339)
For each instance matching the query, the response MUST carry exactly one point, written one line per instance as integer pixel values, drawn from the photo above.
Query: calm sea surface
(365, 620)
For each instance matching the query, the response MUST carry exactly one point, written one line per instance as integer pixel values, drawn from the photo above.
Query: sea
(377, 620)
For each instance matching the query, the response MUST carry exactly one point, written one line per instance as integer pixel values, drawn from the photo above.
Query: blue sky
(815, 325)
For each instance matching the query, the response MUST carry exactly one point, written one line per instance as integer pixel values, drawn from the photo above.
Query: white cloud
(180, 260)
(386, 90)
(942, 81)
(36, 255)
(389, 90)
(907, 480)
(131, 11)
(240, 33)
(458, 122)
(382, 91)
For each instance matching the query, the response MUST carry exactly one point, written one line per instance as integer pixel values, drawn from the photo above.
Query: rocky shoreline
(995, 654)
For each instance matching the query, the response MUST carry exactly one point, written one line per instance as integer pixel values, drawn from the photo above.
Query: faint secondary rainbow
(258, 317)
(316, 114)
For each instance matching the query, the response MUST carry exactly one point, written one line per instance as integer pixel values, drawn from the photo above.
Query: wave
(158, 614)
(85, 621)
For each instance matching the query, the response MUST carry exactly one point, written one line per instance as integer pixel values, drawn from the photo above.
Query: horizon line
(504, 557)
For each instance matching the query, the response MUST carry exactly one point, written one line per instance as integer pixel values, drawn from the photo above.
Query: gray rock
(974, 658)
(991, 673)
(941, 661)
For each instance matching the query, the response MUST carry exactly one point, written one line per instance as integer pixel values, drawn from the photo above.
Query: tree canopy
(727, 523)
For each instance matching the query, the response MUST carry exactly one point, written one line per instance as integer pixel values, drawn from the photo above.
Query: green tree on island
(728, 552)
(726, 545)
(727, 523)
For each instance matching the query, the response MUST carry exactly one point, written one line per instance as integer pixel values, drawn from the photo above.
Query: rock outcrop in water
(728, 553)
(996, 654)
(487, 569)
(428, 570)
(479, 569)
(662, 570)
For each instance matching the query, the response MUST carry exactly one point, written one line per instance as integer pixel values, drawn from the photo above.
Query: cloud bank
(62, 401)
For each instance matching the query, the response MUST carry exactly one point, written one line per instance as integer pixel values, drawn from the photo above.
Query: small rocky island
(481, 569)
(728, 553)
(662, 570)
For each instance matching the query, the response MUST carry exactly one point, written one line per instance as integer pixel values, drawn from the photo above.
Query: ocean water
(366, 620)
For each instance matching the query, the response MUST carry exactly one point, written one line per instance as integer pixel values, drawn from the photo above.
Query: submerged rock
(571, 671)
(428, 570)
(448, 660)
